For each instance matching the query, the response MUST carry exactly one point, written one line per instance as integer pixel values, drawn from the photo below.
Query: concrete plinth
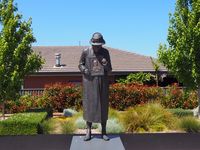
(96, 143)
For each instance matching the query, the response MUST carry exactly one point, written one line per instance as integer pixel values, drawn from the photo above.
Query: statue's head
(97, 39)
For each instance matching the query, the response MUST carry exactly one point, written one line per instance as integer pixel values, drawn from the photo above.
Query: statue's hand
(86, 71)
(104, 62)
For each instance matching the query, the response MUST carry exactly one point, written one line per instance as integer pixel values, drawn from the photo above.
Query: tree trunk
(3, 110)
(198, 93)
(156, 79)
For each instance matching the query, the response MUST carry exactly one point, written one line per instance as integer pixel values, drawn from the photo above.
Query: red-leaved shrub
(24, 103)
(59, 96)
(123, 96)
(176, 97)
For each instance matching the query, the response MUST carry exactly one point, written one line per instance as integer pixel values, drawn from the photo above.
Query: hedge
(60, 96)
(179, 98)
(22, 124)
(57, 97)
(122, 96)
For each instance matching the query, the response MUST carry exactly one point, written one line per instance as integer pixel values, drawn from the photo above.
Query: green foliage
(22, 124)
(60, 96)
(155, 64)
(149, 117)
(182, 55)
(189, 124)
(137, 78)
(181, 112)
(156, 67)
(17, 59)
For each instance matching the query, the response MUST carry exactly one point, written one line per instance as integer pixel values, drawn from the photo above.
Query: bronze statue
(95, 65)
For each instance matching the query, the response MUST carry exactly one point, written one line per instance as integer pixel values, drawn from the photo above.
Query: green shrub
(22, 124)
(137, 78)
(181, 112)
(113, 126)
(189, 124)
(149, 117)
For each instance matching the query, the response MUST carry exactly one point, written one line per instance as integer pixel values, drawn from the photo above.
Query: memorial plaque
(96, 69)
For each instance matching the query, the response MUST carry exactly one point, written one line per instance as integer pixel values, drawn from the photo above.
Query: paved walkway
(157, 141)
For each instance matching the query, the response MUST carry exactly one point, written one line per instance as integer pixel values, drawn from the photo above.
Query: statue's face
(96, 48)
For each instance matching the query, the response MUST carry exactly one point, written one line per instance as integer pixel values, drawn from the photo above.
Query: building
(61, 65)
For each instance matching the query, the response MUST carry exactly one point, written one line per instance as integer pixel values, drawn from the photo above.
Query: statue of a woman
(95, 65)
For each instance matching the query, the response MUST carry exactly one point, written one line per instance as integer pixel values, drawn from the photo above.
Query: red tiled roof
(122, 61)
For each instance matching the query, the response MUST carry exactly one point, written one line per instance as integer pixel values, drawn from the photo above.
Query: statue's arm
(108, 67)
(81, 65)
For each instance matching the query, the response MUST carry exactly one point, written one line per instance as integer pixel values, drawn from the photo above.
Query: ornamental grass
(151, 117)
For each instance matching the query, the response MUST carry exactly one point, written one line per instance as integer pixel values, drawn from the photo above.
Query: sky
(137, 26)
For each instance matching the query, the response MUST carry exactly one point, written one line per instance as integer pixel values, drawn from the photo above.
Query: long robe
(95, 88)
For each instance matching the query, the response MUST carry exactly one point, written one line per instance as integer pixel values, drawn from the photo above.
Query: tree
(17, 58)
(156, 67)
(182, 55)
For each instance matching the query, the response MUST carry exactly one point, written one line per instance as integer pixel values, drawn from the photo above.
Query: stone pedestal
(96, 143)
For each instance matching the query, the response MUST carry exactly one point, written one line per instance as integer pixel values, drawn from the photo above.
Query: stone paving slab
(96, 143)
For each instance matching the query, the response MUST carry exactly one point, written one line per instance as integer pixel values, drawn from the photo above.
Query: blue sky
(132, 25)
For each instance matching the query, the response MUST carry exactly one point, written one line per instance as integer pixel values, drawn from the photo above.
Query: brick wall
(41, 81)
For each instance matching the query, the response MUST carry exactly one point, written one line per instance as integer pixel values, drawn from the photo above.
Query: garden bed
(134, 108)
(148, 118)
